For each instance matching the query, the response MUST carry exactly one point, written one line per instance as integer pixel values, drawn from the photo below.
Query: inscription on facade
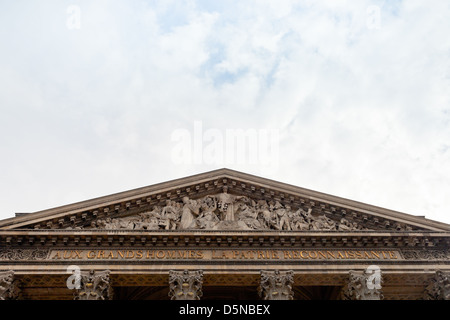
(195, 254)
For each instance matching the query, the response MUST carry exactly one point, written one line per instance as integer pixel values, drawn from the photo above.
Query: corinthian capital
(8, 288)
(185, 285)
(364, 285)
(439, 287)
(276, 285)
(94, 285)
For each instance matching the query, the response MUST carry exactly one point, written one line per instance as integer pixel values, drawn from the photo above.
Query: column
(8, 287)
(439, 287)
(276, 285)
(364, 285)
(185, 285)
(94, 285)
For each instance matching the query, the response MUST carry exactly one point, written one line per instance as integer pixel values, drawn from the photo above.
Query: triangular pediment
(222, 200)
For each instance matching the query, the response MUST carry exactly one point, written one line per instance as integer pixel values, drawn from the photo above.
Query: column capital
(439, 287)
(8, 286)
(94, 285)
(363, 285)
(276, 285)
(185, 285)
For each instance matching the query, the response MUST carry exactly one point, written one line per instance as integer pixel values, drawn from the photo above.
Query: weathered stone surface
(439, 287)
(363, 285)
(231, 226)
(276, 285)
(224, 211)
(94, 285)
(185, 285)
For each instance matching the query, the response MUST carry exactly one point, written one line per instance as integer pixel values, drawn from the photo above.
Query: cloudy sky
(350, 98)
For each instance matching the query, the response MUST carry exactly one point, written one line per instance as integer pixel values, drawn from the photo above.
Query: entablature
(186, 238)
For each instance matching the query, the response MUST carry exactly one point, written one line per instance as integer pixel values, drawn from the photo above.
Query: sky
(349, 98)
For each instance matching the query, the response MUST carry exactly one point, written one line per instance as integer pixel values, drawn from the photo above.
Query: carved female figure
(264, 213)
(169, 215)
(226, 204)
(248, 216)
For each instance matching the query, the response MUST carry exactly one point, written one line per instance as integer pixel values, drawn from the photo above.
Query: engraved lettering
(287, 255)
(101, 254)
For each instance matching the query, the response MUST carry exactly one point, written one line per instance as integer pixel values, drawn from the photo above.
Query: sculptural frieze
(364, 285)
(426, 254)
(226, 211)
(23, 254)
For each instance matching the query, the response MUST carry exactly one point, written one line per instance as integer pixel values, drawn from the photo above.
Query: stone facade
(197, 236)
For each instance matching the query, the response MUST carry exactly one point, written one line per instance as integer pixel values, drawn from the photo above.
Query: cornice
(315, 239)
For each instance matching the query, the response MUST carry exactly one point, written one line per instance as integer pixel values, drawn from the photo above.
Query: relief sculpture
(225, 211)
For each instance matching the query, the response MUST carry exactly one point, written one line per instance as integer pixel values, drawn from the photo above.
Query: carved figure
(297, 221)
(170, 215)
(207, 219)
(266, 215)
(226, 205)
(190, 211)
(323, 223)
(224, 211)
(284, 219)
(248, 216)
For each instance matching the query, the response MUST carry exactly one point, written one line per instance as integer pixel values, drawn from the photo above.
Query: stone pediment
(222, 200)
(224, 211)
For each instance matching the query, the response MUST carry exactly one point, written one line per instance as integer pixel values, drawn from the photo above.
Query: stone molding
(11, 254)
(218, 243)
(8, 286)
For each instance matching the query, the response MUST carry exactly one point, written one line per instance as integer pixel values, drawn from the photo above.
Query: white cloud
(362, 109)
